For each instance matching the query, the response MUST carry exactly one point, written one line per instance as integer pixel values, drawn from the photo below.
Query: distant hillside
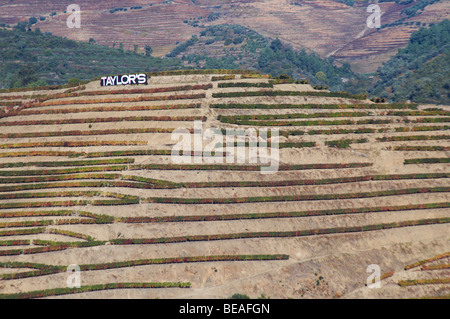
(331, 28)
(420, 72)
(237, 47)
(36, 59)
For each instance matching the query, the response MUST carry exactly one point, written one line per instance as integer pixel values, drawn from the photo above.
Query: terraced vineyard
(87, 178)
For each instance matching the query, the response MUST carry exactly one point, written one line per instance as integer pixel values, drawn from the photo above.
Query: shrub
(378, 100)
(223, 78)
(239, 296)
(344, 143)
(297, 144)
(283, 77)
(74, 82)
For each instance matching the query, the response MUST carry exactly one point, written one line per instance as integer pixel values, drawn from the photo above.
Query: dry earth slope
(86, 178)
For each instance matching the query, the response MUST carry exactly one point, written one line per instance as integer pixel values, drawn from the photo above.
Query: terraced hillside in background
(328, 27)
(154, 22)
(86, 178)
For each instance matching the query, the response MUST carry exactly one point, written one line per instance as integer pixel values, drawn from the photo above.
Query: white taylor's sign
(124, 79)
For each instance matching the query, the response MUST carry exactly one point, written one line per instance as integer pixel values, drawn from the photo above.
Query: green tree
(38, 83)
(148, 50)
(276, 45)
(321, 76)
(239, 296)
(27, 75)
(32, 20)
(21, 26)
(74, 82)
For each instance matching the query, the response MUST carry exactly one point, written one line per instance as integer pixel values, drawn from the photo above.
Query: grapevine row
(104, 120)
(52, 269)
(259, 199)
(89, 132)
(68, 163)
(149, 183)
(111, 109)
(280, 234)
(101, 287)
(315, 106)
(122, 100)
(290, 93)
(72, 144)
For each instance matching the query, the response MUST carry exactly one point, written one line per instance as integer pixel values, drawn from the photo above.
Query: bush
(344, 143)
(239, 296)
(283, 77)
(238, 40)
(32, 20)
(222, 78)
(378, 100)
(74, 82)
